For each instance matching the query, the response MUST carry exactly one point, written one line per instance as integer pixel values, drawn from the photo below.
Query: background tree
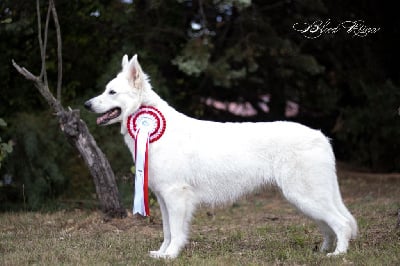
(5, 147)
(74, 128)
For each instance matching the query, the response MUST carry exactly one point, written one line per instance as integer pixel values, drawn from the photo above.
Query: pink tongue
(107, 116)
(100, 119)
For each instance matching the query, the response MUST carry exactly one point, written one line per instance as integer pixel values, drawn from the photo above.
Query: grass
(259, 230)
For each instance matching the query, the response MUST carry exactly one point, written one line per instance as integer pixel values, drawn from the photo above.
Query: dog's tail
(346, 213)
(338, 200)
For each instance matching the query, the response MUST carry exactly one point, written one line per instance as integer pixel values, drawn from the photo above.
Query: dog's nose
(88, 105)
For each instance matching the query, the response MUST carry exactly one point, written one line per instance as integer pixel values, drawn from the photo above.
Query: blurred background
(228, 60)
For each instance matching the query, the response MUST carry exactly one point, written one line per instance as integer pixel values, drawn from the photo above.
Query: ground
(262, 229)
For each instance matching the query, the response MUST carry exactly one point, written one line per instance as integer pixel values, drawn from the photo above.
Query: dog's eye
(111, 92)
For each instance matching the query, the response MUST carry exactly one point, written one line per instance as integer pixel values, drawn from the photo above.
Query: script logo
(317, 28)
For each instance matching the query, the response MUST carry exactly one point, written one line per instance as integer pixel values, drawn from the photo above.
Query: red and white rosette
(145, 126)
(149, 118)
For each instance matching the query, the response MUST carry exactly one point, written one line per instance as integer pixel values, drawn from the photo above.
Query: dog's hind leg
(326, 212)
(180, 204)
(343, 231)
(318, 201)
(166, 228)
(329, 237)
(345, 212)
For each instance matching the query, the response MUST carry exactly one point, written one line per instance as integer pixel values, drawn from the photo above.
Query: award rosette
(145, 126)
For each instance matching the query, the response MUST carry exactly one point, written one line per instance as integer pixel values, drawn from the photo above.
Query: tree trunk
(79, 136)
(106, 188)
(73, 127)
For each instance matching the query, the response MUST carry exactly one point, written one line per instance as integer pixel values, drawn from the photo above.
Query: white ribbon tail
(140, 201)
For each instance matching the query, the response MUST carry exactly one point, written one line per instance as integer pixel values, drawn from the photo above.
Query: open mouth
(109, 115)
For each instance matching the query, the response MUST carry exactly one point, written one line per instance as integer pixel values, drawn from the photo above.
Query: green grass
(259, 230)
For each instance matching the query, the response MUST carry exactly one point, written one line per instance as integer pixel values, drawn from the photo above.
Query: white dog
(196, 162)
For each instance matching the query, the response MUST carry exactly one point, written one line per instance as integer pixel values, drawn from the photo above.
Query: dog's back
(223, 161)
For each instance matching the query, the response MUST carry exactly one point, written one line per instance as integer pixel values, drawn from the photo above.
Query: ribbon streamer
(145, 126)
(141, 198)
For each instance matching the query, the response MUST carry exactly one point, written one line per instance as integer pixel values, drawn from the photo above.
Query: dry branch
(74, 128)
(59, 50)
(41, 86)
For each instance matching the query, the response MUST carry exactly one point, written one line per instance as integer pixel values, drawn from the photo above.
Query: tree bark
(76, 131)
(79, 136)
(73, 127)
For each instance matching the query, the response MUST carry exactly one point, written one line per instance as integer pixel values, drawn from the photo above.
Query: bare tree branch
(24, 72)
(73, 127)
(39, 25)
(59, 50)
(41, 86)
(44, 45)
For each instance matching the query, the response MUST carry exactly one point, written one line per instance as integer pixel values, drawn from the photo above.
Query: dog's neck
(150, 98)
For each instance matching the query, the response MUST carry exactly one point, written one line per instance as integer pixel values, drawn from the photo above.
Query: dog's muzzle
(88, 105)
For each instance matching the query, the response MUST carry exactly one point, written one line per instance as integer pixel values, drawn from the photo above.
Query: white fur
(198, 162)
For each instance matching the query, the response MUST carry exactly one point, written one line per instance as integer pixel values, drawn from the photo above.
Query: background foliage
(5, 147)
(232, 51)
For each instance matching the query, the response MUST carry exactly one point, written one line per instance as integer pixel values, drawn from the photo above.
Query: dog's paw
(335, 253)
(156, 254)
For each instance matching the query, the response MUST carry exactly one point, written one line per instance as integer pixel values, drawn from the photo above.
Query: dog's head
(123, 95)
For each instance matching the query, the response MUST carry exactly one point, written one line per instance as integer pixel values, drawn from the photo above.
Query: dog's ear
(134, 72)
(125, 61)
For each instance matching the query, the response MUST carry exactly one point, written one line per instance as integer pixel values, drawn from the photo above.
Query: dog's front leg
(180, 204)
(166, 229)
